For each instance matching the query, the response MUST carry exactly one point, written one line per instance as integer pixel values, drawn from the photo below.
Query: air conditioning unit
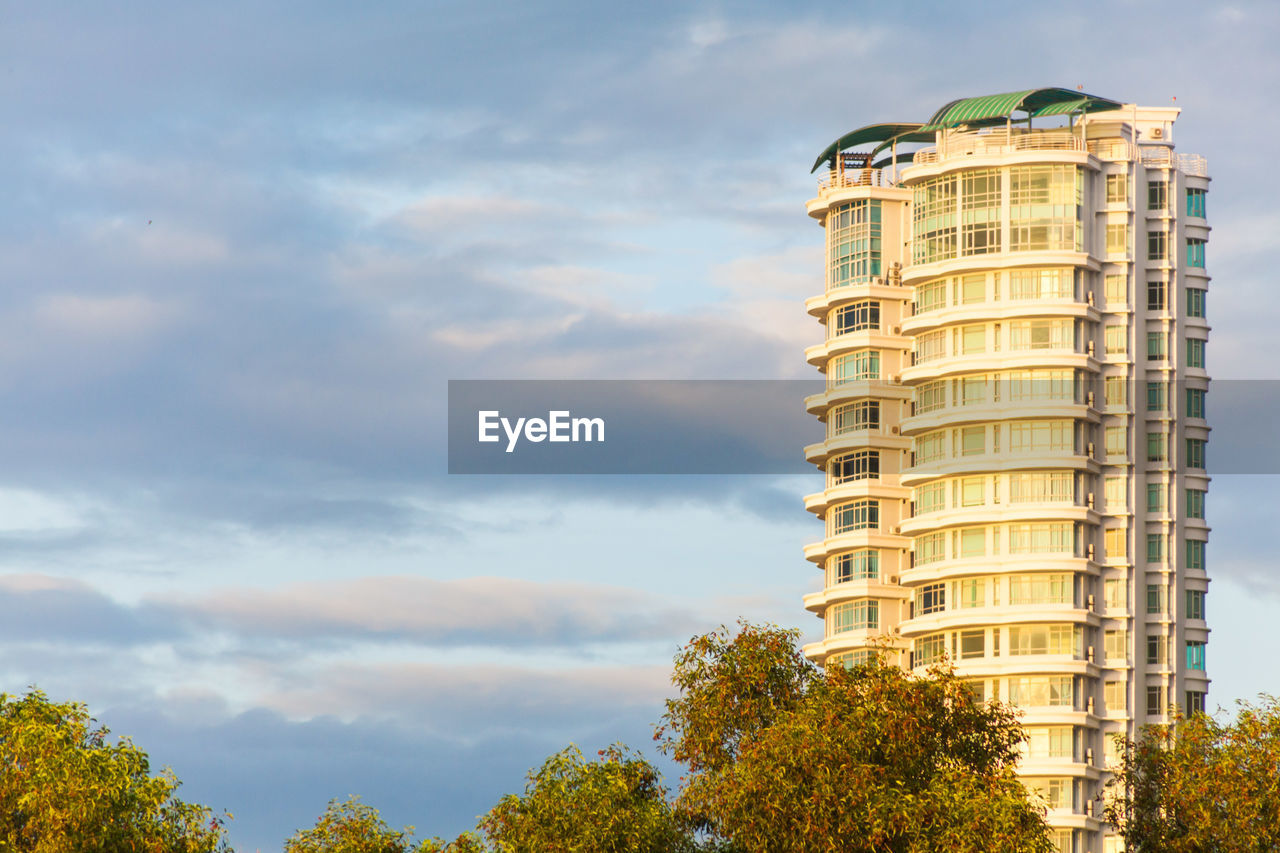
(1089, 397)
(1089, 449)
(1089, 654)
(1090, 601)
(897, 330)
(1089, 705)
(1089, 500)
(1089, 297)
(894, 430)
(1090, 349)
(896, 530)
(891, 579)
(1089, 550)
(1088, 755)
(1157, 133)
(895, 378)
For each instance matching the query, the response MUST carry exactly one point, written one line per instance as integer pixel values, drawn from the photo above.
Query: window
(1156, 645)
(1041, 436)
(1044, 208)
(933, 211)
(1155, 497)
(859, 465)
(1156, 295)
(970, 491)
(1195, 253)
(1155, 598)
(930, 497)
(1117, 189)
(1115, 697)
(1041, 691)
(1045, 640)
(1041, 589)
(1195, 702)
(1157, 246)
(1115, 594)
(1117, 238)
(980, 192)
(929, 548)
(856, 515)
(1195, 655)
(1195, 352)
(971, 390)
(931, 296)
(970, 289)
(929, 650)
(1041, 486)
(1156, 448)
(930, 397)
(1041, 334)
(1116, 394)
(1156, 397)
(1155, 346)
(1117, 500)
(855, 366)
(1157, 195)
(1195, 302)
(1117, 290)
(1041, 284)
(1050, 742)
(1195, 604)
(931, 598)
(854, 616)
(1117, 340)
(971, 592)
(854, 566)
(972, 644)
(970, 542)
(1195, 402)
(1195, 452)
(1195, 503)
(1155, 701)
(857, 317)
(931, 346)
(1116, 645)
(1042, 538)
(853, 417)
(930, 446)
(1117, 441)
(853, 243)
(1117, 543)
(1195, 202)
(971, 339)
(1155, 547)
(972, 441)
(1195, 553)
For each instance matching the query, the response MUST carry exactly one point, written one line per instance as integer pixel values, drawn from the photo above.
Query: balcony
(998, 141)
(838, 179)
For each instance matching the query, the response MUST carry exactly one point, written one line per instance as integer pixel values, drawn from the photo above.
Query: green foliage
(65, 789)
(350, 827)
(1201, 786)
(788, 758)
(614, 805)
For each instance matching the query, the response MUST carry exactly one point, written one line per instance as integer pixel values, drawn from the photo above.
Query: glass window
(1117, 500)
(1117, 543)
(1195, 253)
(856, 515)
(1156, 346)
(1195, 402)
(930, 397)
(929, 649)
(1155, 497)
(853, 243)
(1195, 702)
(1195, 302)
(1042, 538)
(1195, 503)
(1045, 640)
(859, 465)
(1117, 340)
(1116, 645)
(930, 446)
(929, 548)
(1156, 447)
(1157, 195)
(1042, 691)
(1195, 202)
(933, 211)
(1155, 547)
(1156, 396)
(1044, 208)
(972, 440)
(1155, 598)
(980, 219)
(971, 542)
(1037, 486)
(1195, 452)
(854, 417)
(1195, 352)
(853, 616)
(1195, 553)
(858, 565)
(970, 592)
(973, 644)
(1116, 697)
(857, 366)
(1156, 645)
(859, 316)
(1195, 604)
(1157, 246)
(1117, 287)
(1041, 284)
(1041, 589)
(1117, 238)
(931, 296)
(1155, 296)
(1116, 594)
(971, 339)
(931, 598)
(1117, 189)
(1116, 388)
(1117, 441)
(1195, 655)
(930, 497)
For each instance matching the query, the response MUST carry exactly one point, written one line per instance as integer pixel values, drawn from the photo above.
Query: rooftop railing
(998, 141)
(841, 178)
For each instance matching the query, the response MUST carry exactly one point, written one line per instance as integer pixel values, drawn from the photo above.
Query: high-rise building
(1015, 419)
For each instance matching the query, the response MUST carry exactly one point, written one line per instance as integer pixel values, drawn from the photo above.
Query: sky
(245, 246)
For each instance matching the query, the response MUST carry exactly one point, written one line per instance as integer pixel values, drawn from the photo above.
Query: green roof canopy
(993, 109)
(870, 133)
(973, 112)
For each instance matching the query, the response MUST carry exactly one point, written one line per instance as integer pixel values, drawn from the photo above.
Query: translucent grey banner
(762, 427)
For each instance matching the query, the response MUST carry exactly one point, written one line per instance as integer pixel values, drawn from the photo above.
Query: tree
(1200, 785)
(65, 789)
(616, 804)
(350, 827)
(784, 757)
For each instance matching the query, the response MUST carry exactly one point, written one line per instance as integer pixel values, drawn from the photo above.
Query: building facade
(1014, 418)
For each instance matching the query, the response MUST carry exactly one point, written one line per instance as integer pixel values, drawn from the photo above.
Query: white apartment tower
(1015, 438)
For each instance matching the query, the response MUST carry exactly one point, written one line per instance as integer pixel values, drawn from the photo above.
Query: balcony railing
(1187, 164)
(841, 178)
(1002, 141)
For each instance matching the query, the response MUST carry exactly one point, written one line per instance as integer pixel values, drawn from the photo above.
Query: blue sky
(246, 245)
